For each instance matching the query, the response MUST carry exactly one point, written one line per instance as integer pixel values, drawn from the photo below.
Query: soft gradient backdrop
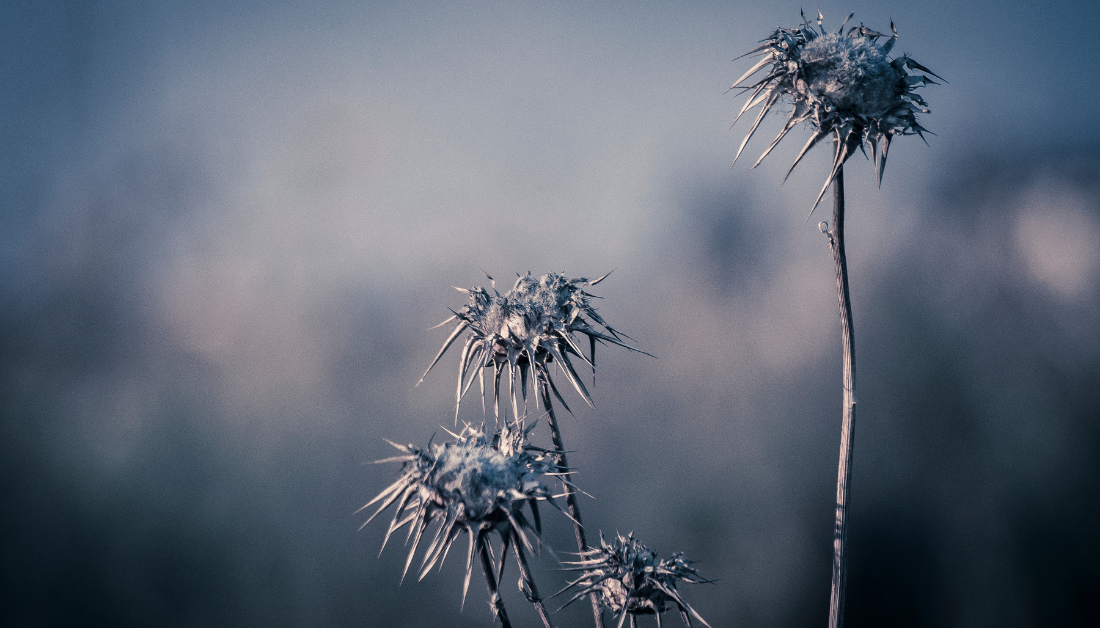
(225, 228)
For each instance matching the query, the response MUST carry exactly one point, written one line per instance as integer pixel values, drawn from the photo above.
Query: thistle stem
(567, 479)
(844, 475)
(532, 591)
(495, 600)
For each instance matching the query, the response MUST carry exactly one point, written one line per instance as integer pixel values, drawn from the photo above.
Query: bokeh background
(225, 228)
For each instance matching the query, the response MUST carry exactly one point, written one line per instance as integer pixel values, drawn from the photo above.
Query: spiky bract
(629, 579)
(527, 327)
(843, 84)
(477, 483)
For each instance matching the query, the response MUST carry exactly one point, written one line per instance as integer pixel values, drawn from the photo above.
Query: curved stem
(495, 600)
(567, 479)
(844, 475)
(532, 591)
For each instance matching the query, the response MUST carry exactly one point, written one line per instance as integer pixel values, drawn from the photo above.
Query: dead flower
(629, 579)
(476, 484)
(530, 325)
(844, 85)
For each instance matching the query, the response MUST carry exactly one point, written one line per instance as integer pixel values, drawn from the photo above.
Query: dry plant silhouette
(847, 88)
(478, 483)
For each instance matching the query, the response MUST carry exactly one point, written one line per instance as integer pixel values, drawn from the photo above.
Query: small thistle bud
(476, 484)
(531, 325)
(843, 84)
(629, 580)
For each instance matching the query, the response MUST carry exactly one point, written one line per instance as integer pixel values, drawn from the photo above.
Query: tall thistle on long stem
(847, 88)
(476, 484)
(518, 336)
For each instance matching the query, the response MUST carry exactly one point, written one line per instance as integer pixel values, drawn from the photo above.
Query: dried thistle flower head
(477, 483)
(630, 580)
(529, 326)
(843, 84)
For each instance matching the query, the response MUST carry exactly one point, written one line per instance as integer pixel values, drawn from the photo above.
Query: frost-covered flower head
(843, 84)
(629, 580)
(476, 484)
(529, 326)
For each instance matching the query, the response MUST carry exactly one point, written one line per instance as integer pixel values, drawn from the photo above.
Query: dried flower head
(529, 326)
(477, 483)
(629, 579)
(843, 84)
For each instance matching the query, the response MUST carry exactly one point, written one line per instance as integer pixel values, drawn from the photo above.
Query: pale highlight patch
(236, 315)
(1057, 238)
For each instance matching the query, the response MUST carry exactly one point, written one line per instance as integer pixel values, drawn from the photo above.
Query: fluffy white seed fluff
(853, 73)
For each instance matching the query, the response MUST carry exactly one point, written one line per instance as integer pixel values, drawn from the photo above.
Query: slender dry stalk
(848, 418)
(545, 386)
(496, 603)
(530, 589)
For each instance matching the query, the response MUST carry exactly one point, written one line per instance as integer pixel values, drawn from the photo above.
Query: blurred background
(225, 228)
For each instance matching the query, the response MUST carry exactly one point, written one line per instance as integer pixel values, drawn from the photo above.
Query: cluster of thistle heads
(843, 84)
(489, 484)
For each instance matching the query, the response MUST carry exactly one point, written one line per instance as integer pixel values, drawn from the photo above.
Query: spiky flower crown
(843, 84)
(630, 580)
(477, 483)
(527, 327)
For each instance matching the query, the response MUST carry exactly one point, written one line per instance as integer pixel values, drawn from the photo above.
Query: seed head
(476, 484)
(843, 84)
(629, 579)
(529, 326)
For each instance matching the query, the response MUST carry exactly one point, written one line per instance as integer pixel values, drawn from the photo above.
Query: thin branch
(495, 600)
(567, 479)
(531, 591)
